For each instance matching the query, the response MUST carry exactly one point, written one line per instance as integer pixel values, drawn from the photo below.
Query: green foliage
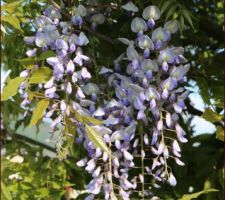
(220, 133)
(87, 119)
(47, 178)
(211, 116)
(96, 138)
(197, 194)
(69, 126)
(11, 88)
(40, 75)
(39, 111)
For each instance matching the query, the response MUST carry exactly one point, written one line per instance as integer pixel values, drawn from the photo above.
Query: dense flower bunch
(69, 88)
(152, 87)
(107, 169)
(138, 129)
(150, 98)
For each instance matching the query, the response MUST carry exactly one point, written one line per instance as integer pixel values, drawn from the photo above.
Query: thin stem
(112, 194)
(142, 161)
(163, 141)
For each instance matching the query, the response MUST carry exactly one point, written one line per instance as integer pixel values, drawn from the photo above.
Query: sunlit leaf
(87, 119)
(94, 136)
(39, 111)
(3, 29)
(220, 133)
(11, 88)
(211, 116)
(5, 193)
(197, 194)
(69, 126)
(40, 75)
(13, 21)
(31, 95)
(10, 7)
(45, 55)
(27, 62)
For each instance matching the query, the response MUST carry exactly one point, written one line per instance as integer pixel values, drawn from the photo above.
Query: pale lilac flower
(70, 67)
(84, 73)
(172, 180)
(172, 26)
(151, 13)
(31, 52)
(138, 25)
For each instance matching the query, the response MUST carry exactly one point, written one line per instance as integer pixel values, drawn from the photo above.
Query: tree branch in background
(29, 140)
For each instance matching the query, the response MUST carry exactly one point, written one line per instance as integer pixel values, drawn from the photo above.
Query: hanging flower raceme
(118, 131)
(129, 138)
(70, 97)
(152, 89)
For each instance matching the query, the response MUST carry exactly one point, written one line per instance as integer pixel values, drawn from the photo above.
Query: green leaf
(219, 133)
(39, 111)
(45, 55)
(211, 116)
(10, 7)
(165, 6)
(31, 95)
(188, 18)
(171, 11)
(79, 117)
(5, 193)
(11, 88)
(96, 138)
(197, 194)
(3, 29)
(30, 61)
(13, 21)
(181, 23)
(69, 126)
(40, 75)
(42, 192)
(87, 119)
(27, 62)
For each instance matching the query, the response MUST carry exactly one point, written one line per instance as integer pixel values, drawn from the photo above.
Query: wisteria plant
(129, 122)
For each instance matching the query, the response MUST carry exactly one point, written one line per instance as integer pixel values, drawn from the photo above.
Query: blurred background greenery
(41, 175)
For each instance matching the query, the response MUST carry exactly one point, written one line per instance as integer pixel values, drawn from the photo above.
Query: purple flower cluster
(144, 120)
(69, 89)
(110, 171)
(152, 88)
(140, 126)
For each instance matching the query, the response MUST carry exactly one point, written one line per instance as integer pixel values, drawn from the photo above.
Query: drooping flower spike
(140, 123)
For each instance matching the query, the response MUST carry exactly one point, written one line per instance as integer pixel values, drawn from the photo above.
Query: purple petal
(146, 140)
(168, 120)
(85, 74)
(82, 162)
(69, 88)
(70, 67)
(172, 180)
(141, 115)
(154, 137)
(62, 106)
(179, 162)
(80, 94)
(127, 155)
